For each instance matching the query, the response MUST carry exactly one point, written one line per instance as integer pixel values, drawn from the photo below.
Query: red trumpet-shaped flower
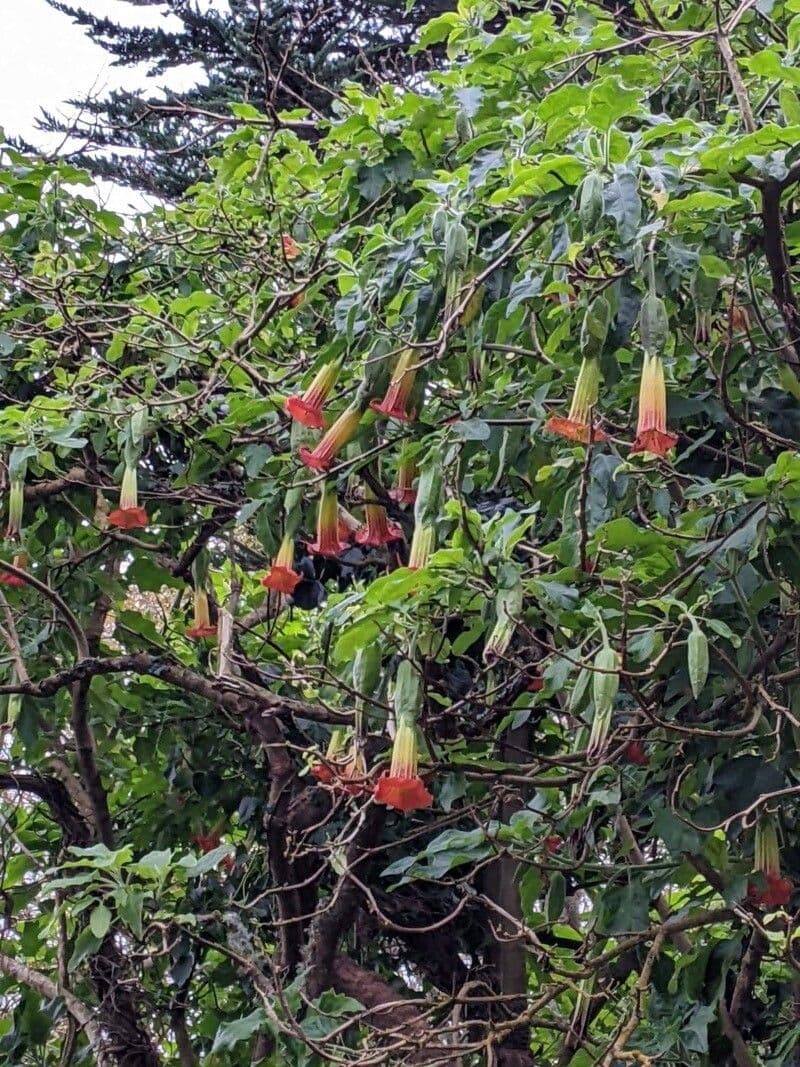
(576, 426)
(378, 529)
(423, 543)
(281, 576)
(203, 627)
(16, 503)
(325, 771)
(129, 516)
(353, 779)
(291, 249)
(342, 431)
(651, 431)
(404, 492)
(393, 405)
(327, 542)
(20, 561)
(348, 525)
(307, 408)
(401, 787)
(771, 890)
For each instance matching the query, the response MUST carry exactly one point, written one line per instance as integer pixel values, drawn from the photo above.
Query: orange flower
(404, 492)
(770, 890)
(291, 249)
(203, 627)
(353, 779)
(378, 529)
(651, 431)
(327, 542)
(575, 427)
(281, 576)
(348, 524)
(129, 516)
(307, 408)
(20, 561)
(324, 770)
(393, 405)
(342, 431)
(401, 787)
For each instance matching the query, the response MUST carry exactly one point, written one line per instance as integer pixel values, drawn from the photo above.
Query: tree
(278, 55)
(465, 720)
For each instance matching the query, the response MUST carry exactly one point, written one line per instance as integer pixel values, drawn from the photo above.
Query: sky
(45, 59)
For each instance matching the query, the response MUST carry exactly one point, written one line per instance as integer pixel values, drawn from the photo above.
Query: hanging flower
(353, 780)
(401, 787)
(771, 891)
(291, 249)
(404, 492)
(281, 576)
(342, 432)
(307, 408)
(20, 561)
(552, 844)
(423, 542)
(393, 405)
(348, 524)
(651, 430)
(129, 516)
(324, 770)
(508, 608)
(16, 504)
(634, 752)
(327, 542)
(378, 529)
(575, 427)
(203, 627)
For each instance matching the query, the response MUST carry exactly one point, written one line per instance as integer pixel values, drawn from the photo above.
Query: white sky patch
(46, 59)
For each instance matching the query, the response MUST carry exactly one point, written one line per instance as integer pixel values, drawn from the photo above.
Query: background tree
(400, 599)
(280, 55)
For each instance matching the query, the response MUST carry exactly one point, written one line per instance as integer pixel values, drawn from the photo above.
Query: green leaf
(229, 1034)
(100, 921)
(86, 944)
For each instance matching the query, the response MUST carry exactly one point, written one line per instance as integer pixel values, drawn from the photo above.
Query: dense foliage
(276, 54)
(530, 799)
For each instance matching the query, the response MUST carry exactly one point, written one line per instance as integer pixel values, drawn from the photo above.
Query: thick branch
(780, 271)
(79, 1011)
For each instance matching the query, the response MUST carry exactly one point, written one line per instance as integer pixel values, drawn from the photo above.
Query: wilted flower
(307, 408)
(281, 576)
(129, 516)
(340, 433)
(651, 430)
(576, 427)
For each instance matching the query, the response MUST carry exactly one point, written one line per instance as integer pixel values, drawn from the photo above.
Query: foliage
(592, 673)
(278, 55)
